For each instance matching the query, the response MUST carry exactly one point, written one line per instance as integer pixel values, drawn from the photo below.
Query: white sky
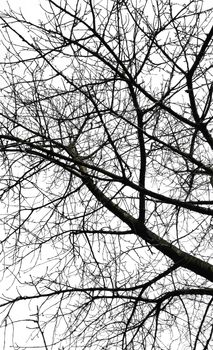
(28, 6)
(31, 9)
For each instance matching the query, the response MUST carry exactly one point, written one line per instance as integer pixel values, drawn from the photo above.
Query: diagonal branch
(178, 256)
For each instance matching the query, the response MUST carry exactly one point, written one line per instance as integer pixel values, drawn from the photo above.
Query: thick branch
(180, 257)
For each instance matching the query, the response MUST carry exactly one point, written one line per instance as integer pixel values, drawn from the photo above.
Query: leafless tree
(106, 174)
